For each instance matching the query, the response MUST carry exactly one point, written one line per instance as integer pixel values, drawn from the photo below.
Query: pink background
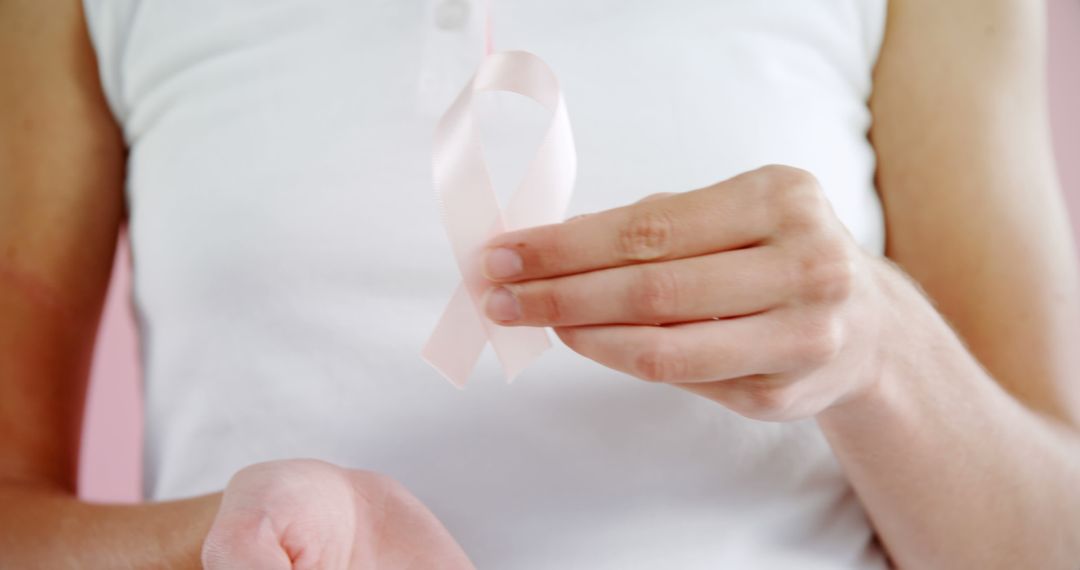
(111, 443)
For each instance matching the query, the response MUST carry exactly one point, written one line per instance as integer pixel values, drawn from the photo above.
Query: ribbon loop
(471, 212)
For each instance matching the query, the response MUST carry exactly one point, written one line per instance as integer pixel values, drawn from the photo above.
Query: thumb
(241, 542)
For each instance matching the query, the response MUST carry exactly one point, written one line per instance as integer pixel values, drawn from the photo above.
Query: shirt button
(451, 14)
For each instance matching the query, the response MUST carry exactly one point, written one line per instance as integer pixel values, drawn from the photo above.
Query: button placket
(452, 14)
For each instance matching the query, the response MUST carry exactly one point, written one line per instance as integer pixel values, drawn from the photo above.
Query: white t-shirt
(290, 262)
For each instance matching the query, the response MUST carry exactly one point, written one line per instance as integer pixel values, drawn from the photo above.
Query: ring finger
(727, 284)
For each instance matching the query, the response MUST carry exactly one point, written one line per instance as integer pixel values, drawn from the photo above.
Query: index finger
(729, 215)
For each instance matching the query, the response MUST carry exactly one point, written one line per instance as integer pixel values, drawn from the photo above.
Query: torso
(290, 262)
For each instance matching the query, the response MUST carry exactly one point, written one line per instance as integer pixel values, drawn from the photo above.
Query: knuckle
(785, 172)
(660, 363)
(380, 488)
(655, 294)
(655, 196)
(381, 481)
(819, 343)
(646, 235)
(396, 490)
(377, 478)
(788, 177)
(826, 275)
(380, 497)
(549, 305)
(272, 477)
(795, 198)
(764, 401)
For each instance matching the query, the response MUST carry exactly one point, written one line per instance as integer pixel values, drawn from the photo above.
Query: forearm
(953, 471)
(48, 528)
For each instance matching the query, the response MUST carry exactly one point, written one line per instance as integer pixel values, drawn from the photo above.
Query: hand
(749, 292)
(311, 514)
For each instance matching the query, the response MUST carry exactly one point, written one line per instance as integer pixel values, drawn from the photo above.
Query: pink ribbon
(472, 215)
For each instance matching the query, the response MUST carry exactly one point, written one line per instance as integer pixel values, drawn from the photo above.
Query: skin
(61, 207)
(961, 441)
(61, 204)
(942, 375)
(307, 514)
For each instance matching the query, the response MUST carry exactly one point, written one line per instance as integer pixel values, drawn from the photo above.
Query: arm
(61, 204)
(964, 458)
(957, 470)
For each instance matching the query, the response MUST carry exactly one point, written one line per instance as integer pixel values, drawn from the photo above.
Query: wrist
(184, 531)
(910, 344)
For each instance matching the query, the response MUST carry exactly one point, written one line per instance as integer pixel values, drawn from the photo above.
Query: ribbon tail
(457, 341)
(460, 335)
(516, 347)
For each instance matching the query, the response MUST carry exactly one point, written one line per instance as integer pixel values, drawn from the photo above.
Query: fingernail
(502, 306)
(502, 263)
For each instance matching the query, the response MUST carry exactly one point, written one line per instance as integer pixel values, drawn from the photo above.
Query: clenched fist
(306, 514)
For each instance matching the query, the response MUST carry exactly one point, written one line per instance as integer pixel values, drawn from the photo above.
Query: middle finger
(728, 284)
